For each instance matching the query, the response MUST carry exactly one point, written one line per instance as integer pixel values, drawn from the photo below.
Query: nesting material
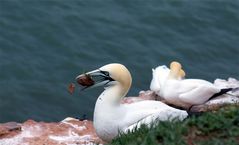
(71, 88)
(85, 80)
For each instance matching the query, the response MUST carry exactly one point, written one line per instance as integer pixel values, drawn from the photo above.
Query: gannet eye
(106, 73)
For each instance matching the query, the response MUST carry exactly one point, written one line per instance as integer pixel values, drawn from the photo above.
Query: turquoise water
(44, 45)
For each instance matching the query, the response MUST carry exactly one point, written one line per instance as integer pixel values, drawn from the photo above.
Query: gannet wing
(139, 110)
(199, 94)
(145, 112)
(187, 85)
(159, 115)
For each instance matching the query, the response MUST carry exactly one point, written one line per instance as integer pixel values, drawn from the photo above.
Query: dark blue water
(44, 45)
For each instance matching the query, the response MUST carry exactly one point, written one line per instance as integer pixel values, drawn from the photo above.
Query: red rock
(68, 131)
(9, 129)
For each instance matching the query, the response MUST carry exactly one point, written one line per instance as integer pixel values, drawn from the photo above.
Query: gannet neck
(108, 110)
(110, 98)
(112, 95)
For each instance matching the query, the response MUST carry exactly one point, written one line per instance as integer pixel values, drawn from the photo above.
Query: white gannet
(111, 117)
(168, 84)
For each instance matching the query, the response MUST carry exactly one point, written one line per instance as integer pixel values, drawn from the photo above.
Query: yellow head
(119, 73)
(176, 71)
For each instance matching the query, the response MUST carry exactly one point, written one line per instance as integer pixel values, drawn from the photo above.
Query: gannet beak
(94, 79)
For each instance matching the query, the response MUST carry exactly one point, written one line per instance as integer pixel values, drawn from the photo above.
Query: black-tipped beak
(94, 79)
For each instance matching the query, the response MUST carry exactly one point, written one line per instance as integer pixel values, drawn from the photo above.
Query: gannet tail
(223, 91)
(235, 89)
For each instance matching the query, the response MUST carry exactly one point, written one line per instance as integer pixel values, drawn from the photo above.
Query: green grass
(212, 128)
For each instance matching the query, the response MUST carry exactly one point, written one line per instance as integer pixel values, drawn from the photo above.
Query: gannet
(170, 85)
(111, 117)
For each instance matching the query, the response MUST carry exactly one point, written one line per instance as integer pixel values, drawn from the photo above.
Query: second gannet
(111, 117)
(168, 84)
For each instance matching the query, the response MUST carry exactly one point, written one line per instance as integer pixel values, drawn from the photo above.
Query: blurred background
(44, 45)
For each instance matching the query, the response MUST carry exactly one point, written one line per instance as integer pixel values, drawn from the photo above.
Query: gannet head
(110, 75)
(176, 70)
(160, 74)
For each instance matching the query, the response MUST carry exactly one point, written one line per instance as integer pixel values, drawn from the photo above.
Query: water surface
(45, 44)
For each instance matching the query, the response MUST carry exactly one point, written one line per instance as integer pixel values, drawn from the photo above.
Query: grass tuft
(217, 128)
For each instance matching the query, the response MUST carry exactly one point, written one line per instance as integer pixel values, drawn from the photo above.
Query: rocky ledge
(71, 131)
